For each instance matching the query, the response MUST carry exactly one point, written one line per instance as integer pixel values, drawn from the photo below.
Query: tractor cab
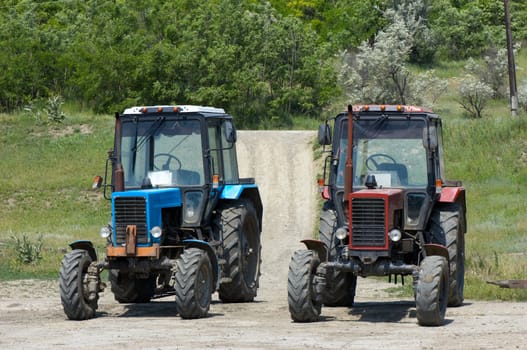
(396, 147)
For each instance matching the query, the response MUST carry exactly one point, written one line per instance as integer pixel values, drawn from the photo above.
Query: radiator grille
(369, 227)
(130, 211)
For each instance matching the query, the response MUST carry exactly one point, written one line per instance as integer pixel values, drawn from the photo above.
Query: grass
(46, 174)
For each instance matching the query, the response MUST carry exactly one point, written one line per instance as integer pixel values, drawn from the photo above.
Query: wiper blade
(151, 131)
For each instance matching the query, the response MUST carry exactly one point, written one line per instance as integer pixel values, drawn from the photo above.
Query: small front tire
(193, 283)
(301, 295)
(73, 280)
(431, 295)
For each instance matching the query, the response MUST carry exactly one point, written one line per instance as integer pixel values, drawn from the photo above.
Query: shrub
(474, 95)
(28, 252)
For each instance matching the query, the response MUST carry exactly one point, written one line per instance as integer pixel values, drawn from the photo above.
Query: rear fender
(452, 194)
(196, 243)
(318, 246)
(87, 246)
(248, 191)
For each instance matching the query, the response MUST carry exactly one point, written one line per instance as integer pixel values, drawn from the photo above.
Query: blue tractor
(183, 222)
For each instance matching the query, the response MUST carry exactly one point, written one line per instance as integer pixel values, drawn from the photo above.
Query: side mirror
(324, 134)
(97, 182)
(230, 132)
(430, 137)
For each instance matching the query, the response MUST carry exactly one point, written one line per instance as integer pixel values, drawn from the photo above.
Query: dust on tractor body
(388, 211)
(183, 222)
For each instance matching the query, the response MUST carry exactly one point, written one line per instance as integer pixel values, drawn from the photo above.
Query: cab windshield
(390, 149)
(162, 152)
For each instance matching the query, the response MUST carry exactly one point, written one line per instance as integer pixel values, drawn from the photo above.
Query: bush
(28, 252)
(474, 95)
(46, 111)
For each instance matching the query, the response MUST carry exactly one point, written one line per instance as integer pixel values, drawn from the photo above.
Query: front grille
(368, 227)
(130, 211)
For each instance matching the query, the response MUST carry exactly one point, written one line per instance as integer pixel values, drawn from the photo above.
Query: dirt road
(31, 316)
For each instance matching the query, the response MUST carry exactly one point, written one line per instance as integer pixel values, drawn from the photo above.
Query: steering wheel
(166, 166)
(372, 162)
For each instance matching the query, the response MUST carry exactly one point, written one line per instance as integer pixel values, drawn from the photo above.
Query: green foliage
(267, 62)
(46, 111)
(27, 251)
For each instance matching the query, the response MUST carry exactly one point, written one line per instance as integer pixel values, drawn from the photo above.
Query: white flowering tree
(474, 95)
(378, 72)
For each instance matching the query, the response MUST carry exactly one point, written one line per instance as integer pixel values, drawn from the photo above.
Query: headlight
(156, 231)
(105, 231)
(191, 207)
(341, 233)
(395, 235)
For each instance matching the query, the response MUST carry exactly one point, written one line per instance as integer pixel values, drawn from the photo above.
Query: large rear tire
(127, 289)
(340, 286)
(193, 283)
(448, 221)
(240, 229)
(73, 282)
(431, 296)
(301, 296)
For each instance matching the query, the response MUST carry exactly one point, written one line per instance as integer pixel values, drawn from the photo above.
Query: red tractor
(388, 211)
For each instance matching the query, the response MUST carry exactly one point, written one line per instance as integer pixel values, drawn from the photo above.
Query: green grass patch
(47, 171)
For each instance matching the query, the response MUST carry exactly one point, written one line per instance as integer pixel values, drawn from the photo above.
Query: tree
(378, 73)
(474, 95)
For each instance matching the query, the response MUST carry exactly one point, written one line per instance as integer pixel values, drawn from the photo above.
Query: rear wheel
(127, 289)
(448, 221)
(240, 230)
(431, 295)
(77, 301)
(193, 283)
(340, 286)
(301, 295)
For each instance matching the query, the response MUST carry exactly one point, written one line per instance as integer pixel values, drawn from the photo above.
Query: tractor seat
(398, 169)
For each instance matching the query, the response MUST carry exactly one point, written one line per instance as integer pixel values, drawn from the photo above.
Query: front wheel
(301, 295)
(193, 283)
(77, 301)
(431, 295)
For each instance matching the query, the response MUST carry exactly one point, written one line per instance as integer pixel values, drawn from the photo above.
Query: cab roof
(390, 108)
(173, 109)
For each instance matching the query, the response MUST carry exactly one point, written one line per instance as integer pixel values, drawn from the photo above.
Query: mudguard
(196, 243)
(436, 249)
(318, 246)
(87, 246)
(451, 194)
(245, 190)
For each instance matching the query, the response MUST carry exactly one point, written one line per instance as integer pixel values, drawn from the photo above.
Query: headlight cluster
(106, 231)
(341, 233)
(395, 235)
(156, 231)
(191, 207)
